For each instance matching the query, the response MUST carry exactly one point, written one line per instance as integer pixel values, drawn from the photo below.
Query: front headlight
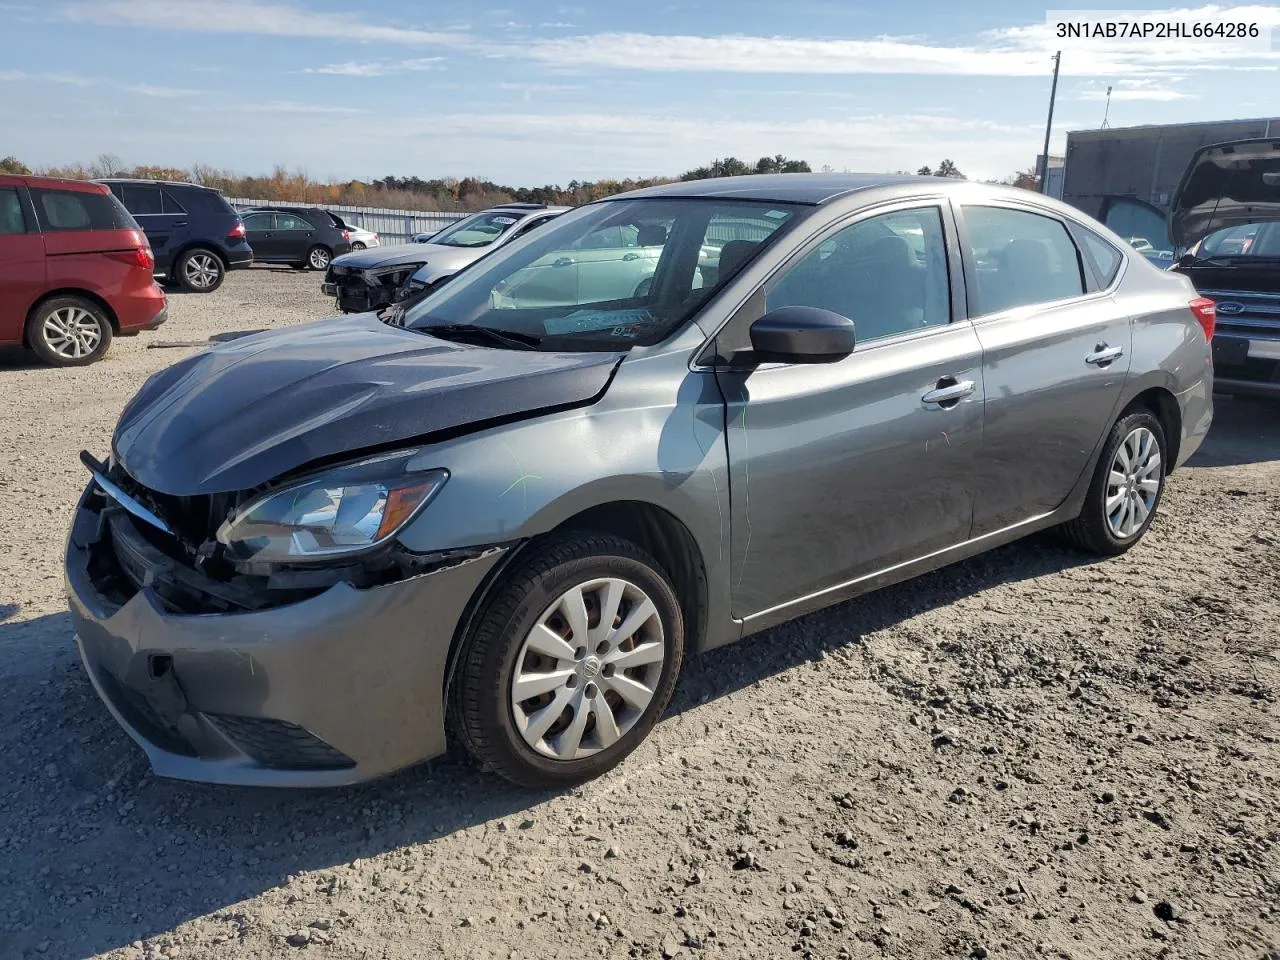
(340, 511)
(395, 274)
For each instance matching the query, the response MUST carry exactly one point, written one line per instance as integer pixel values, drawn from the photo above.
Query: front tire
(318, 257)
(571, 663)
(200, 271)
(1127, 485)
(68, 331)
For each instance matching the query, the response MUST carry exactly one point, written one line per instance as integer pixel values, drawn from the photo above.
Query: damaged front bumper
(340, 687)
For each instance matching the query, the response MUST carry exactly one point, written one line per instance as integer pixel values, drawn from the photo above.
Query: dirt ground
(1030, 754)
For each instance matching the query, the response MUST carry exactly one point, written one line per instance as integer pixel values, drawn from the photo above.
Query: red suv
(75, 269)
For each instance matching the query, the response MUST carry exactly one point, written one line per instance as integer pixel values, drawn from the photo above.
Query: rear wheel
(199, 271)
(357, 245)
(318, 257)
(571, 664)
(68, 331)
(1126, 488)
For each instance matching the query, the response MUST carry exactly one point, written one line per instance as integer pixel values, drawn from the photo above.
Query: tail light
(346, 235)
(1206, 312)
(237, 231)
(140, 257)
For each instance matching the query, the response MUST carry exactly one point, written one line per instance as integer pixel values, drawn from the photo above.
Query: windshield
(608, 275)
(1260, 240)
(478, 231)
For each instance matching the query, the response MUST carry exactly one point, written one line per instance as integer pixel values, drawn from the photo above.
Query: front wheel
(571, 664)
(1126, 488)
(318, 257)
(68, 331)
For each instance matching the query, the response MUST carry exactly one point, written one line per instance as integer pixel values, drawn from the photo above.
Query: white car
(362, 239)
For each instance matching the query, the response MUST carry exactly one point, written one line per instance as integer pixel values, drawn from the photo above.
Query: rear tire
(68, 331)
(199, 270)
(318, 257)
(1127, 485)
(524, 640)
(357, 245)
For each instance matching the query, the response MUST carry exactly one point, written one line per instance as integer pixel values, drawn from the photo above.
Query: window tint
(170, 203)
(11, 219)
(141, 199)
(258, 221)
(888, 274)
(1106, 258)
(530, 225)
(204, 201)
(1021, 258)
(77, 210)
(287, 221)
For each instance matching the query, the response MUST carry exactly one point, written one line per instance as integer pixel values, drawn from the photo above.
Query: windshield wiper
(1230, 260)
(506, 338)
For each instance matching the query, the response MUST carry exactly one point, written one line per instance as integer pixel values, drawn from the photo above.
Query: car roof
(527, 208)
(157, 183)
(809, 188)
(50, 183)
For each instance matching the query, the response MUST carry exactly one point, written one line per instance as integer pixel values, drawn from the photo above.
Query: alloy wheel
(588, 669)
(71, 332)
(1133, 483)
(319, 258)
(201, 270)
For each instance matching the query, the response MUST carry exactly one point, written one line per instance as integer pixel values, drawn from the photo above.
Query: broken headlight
(340, 511)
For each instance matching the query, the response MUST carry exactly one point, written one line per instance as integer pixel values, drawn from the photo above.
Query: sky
(527, 92)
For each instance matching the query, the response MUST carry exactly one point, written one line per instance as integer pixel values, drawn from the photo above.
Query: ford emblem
(1230, 307)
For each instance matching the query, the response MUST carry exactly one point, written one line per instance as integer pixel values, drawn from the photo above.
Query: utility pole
(1048, 127)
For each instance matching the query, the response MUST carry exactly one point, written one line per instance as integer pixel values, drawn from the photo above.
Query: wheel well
(199, 245)
(71, 292)
(668, 541)
(1162, 404)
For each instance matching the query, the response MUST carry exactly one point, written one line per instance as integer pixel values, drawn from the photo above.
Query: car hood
(1226, 185)
(410, 253)
(245, 412)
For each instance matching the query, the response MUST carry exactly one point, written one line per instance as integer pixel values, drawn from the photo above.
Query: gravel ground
(1029, 754)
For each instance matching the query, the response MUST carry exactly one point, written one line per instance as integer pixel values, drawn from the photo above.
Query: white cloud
(377, 68)
(1149, 94)
(70, 79)
(291, 106)
(150, 90)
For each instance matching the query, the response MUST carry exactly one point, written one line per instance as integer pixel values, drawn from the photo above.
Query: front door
(260, 231)
(838, 471)
(1056, 354)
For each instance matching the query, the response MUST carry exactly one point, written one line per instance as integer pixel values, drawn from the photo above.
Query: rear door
(146, 201)
(22, 263)
(260, 231)
(1056, 353)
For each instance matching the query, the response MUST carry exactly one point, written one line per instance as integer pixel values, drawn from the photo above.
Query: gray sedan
(315, 555)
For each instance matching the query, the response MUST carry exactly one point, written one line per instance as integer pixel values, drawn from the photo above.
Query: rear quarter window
(204, 201)
(1106, 258)
(11, 219)
(78, 210)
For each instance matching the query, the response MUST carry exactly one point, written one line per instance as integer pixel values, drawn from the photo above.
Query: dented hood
(1226, 185)
(245, 412)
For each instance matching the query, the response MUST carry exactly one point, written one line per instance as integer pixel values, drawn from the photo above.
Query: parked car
(1226, 214)
(196, 235)
(75, 270)
(303, 237)
(316, 552)
(361, 239)
(374, 279)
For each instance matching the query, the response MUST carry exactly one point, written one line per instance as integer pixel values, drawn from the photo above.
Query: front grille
(279, 744)
(139, 713)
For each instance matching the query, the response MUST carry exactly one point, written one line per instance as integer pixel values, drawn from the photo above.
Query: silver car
(317, 554)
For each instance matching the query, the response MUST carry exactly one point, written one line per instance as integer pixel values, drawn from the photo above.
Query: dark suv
(195, 234)
(299, 236)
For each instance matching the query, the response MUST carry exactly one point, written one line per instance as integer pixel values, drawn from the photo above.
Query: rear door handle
(1103, 355)
(631, 256)
(181, 223)
(563, 262)
(949, 392)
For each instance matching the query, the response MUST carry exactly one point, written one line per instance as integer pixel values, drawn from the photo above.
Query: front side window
(141, 199)
(11, 219)
(1020, 258)
(888, 274)
(477, 231)
(80, 210)
(607, 276)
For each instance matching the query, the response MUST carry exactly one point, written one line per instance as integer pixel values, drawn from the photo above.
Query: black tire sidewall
(1097, 504)
(180, 269)
(487, 665)
(36, 321)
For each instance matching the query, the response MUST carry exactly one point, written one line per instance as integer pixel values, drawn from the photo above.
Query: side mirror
(801, 335)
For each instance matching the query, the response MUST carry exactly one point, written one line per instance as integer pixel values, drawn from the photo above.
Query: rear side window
(141, 199)
(287, 221)
(11, 219)
(170, 203)
(1106, 258)
(78, 210)
(204, 201)
(1021, 258)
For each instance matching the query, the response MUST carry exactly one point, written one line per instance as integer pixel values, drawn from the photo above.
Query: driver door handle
(1103, 355)
(631, 256)
(949, 392)
(563, 262)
